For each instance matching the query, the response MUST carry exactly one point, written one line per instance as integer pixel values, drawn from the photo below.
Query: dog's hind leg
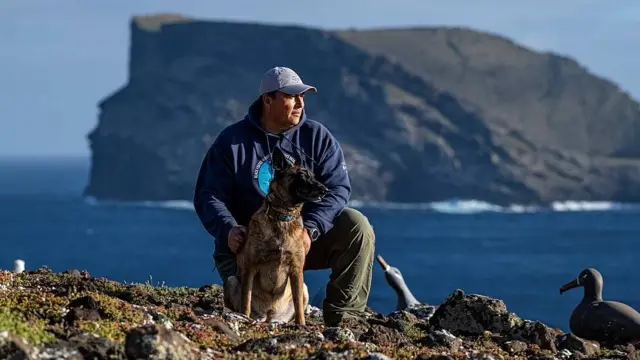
(247, 287)
(305, 296)
(297, 289)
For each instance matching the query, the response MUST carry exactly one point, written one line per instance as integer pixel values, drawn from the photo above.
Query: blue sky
(59, 58)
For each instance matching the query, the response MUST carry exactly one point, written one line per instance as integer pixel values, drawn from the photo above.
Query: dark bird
(396, 281)
(608, 322)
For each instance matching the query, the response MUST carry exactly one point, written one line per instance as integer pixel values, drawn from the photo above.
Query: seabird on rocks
(18, 266)
(608, 322)
(396, 281)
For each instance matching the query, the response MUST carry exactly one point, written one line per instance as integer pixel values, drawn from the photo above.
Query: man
(234, 179)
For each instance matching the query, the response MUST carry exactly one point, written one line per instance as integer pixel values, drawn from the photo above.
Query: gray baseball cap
(283, 79)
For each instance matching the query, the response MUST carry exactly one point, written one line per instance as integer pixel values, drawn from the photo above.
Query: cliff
(422, 114)
(73, 315)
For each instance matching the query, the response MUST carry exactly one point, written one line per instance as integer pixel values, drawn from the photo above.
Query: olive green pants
(347, 249)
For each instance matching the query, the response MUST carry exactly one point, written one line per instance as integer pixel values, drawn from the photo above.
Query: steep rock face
(405, 137)
(550, 98)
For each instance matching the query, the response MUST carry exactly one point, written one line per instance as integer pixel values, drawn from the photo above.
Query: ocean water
(519, 255)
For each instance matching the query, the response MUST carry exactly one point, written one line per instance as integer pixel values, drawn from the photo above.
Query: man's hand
(306, 241)
(237, 238)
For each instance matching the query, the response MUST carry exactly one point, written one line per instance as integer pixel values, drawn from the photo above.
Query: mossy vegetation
(43, 307)
(34, 330)
(36, 306)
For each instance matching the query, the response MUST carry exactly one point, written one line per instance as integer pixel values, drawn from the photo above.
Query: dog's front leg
(247, 286)
(297, 289)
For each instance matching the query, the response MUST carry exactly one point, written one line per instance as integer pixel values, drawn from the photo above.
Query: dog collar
(279, 215)
(285, 217)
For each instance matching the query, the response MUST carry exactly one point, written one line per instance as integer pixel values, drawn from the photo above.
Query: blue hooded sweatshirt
(235, 174)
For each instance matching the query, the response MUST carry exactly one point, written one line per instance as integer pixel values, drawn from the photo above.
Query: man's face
(285, 110)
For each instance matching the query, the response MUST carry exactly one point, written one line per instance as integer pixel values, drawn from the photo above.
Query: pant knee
(359, 227)
(226, 267)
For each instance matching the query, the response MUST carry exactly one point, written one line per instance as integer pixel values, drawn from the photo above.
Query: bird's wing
(613, 320)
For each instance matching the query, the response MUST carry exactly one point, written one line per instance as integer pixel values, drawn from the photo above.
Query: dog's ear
(279, 160)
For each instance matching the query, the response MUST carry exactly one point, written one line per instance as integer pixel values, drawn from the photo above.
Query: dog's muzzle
(323, 191)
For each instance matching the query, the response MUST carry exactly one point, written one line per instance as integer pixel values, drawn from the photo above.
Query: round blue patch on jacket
(265, 174)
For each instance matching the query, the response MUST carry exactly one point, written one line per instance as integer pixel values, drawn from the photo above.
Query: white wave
(586, 206)
(454, 206)
(471, 206)
(449, 206)
(465, 207)
(171, 204)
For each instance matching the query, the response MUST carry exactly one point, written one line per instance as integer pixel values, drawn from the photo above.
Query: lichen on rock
(73, 315)
(473, 314)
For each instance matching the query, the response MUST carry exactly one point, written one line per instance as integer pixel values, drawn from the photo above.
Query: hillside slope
(550, 98)
(411, 133)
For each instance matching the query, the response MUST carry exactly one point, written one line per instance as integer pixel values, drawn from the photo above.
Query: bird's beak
(383, 263)
(570, 285)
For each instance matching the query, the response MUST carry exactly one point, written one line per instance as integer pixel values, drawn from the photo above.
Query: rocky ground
(71, 315)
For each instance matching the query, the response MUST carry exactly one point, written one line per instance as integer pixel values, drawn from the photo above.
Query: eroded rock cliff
(422, 115)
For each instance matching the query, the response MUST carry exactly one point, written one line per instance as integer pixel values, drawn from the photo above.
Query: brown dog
(270, 264)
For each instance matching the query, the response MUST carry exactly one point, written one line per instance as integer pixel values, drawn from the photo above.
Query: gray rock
(473, 314)
(484, 356)
(92, 346)
(423, 311)
(376, 356)
(83, 308)
(535, 332)
(338, 334)
(443, 339)
(515, 347)
(370, 347)
(564, 354)
(630, 351)
(574, 343)
(157, 342)
(58, 353)
(15, 347)
(401, 321)
(312, 311)
(159, 318)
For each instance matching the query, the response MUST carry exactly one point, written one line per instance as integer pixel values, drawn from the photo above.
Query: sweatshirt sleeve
(212, 192)
(332, 172)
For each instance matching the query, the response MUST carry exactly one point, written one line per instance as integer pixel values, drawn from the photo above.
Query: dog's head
(293, 184)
